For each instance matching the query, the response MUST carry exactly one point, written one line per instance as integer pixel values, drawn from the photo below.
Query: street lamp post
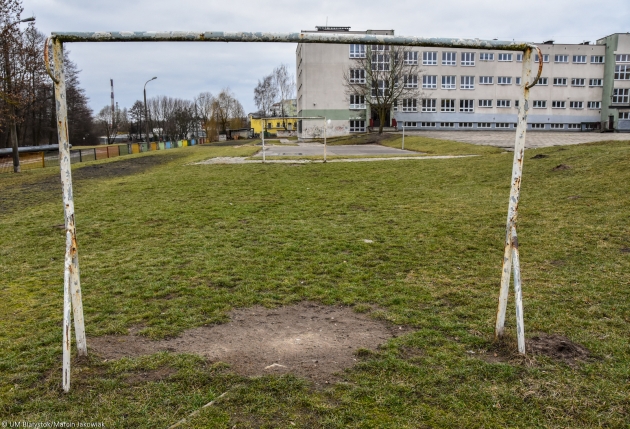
(146, 116)
(9, 86)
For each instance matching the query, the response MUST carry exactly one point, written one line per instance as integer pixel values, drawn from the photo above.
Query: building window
(429, 82)
(486, 56)
(596, 82)
(545, 58)
(429, 58)
(538, 126)
(449, 58)
(622, 58)
(597, 59)
(380, 89)
(427, 124)
(594, 104)
(448, 82)
(620, 95)
(467, 82)
(576, 104)
(561, 59)
(502, 125)
(411, 81)
(504, 80)
(543, 81)
(466, 105)
(357, 76)
(429, 105)
(505, 57)
(447, 105)
(357, 51)
(269, 125)
(447, 125)
(484, 125)
(410, 124)
(380, 61)
(486, 80)
(560, 81)
(622, 72)
(465, 125)
(357, 101)
(573, 126)
(518, 80)
(557, 126)
(558, 104)
(577, 82)
(357, 126)
(409, 105)
(468, 58)
(540, 104)
(485, 103)
(516, 104)
(519, 58)
(410, 58)
(503, 103)
(579, 59)
(624, 115)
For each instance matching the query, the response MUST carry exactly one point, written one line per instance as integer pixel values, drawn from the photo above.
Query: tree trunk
(381, 119)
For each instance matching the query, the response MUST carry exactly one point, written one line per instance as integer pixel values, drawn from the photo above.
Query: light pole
(146, 116)
(9, 87)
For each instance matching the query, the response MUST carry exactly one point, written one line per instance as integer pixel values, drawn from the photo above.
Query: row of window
(504, 125)
(358, 76)
(622, 72)
(449, 58)
(468, 82)
(620, 96)
(468, 105)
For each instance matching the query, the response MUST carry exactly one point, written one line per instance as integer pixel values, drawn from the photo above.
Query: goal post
(72, 283)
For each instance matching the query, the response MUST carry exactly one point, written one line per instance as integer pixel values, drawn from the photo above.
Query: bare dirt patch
(554, 346)
(561, 167)
(306, 339)
(557, 347)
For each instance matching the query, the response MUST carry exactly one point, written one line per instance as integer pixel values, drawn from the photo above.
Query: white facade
(477, 89)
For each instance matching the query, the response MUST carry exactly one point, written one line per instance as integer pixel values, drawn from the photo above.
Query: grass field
(165, 246)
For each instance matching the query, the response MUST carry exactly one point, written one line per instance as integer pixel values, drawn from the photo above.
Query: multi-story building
(582, 86)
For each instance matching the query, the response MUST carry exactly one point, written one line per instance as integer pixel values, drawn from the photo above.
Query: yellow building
(276, 125)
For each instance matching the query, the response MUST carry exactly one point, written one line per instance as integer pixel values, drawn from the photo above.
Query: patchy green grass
(169, 246)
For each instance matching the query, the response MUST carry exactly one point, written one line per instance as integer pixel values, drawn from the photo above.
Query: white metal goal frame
(72, 301)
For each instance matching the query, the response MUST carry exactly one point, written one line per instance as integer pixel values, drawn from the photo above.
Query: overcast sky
(186, 69)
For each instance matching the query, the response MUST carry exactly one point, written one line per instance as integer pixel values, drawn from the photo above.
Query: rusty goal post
(73, 302)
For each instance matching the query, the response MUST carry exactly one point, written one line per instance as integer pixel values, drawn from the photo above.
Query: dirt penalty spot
(306, 339)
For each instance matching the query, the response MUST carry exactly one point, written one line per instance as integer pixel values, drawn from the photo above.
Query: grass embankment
(174, 246)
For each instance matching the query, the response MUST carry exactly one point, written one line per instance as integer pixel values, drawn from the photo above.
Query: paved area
(317, 149)
(534, 139)
(244, 160)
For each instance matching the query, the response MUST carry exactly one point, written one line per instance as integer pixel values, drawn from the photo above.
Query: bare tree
(104, 121)
(383, 77)
(285, 84)
(265, 95)
(204, 103)
(228, 110)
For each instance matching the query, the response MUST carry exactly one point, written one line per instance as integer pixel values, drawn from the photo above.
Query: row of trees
(27, 104)
(174, 118)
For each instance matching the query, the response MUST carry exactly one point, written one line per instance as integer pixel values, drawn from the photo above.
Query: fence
(29, 161)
